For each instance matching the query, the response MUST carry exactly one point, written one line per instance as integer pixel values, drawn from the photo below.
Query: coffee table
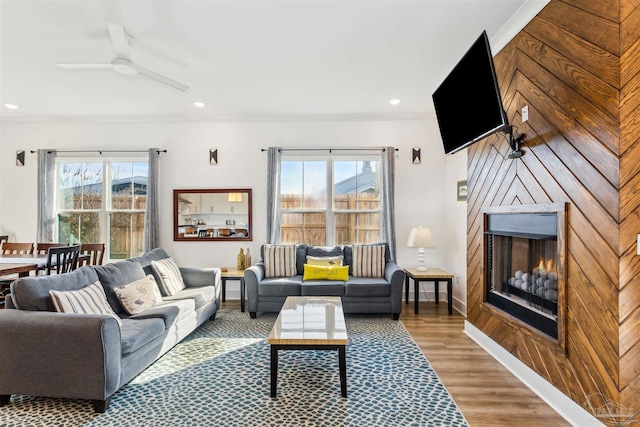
(310, 323)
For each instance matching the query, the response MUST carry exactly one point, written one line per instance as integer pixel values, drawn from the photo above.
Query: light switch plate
(525, 113)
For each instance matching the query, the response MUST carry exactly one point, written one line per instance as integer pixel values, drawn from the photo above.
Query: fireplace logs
(539, 288)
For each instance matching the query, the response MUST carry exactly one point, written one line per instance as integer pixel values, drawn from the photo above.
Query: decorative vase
(247, 259)
(241, 259)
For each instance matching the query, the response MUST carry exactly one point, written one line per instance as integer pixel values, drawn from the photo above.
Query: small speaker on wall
(415, 156)
(213, 156)
(20, 158)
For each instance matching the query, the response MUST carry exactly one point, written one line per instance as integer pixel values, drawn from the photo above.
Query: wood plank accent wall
(577, 66)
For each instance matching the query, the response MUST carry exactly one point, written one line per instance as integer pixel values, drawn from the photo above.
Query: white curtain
(388, 232)
(46, 191)
(151, 217)
(273, 195)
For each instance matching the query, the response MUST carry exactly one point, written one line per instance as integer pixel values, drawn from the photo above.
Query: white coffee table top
(310, 320)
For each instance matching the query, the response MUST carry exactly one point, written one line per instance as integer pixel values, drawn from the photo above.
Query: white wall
(456, 224)
(425, 193)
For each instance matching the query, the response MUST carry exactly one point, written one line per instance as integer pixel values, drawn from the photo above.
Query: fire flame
(546, 265)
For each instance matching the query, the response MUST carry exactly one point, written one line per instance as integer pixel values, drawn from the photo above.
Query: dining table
(21, 269)
(26, 263)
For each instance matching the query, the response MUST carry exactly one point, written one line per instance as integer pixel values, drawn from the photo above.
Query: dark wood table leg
(224, 289)
(437, 289)
(242, 295)
(450, 295)
(416, 295)
(342, 356)
(406, 289)
(274, 370)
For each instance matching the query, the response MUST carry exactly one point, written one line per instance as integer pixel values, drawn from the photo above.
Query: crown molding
(518, 21)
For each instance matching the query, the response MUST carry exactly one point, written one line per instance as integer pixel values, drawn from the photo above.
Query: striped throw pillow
(170, 277)
(368, 260)
(279, 260)
(88, 300)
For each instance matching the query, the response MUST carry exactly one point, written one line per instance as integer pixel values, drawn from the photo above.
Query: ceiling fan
(123, 63)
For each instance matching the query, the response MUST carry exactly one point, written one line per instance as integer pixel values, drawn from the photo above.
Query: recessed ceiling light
(394, 101)
(199, 104)
(11, 106)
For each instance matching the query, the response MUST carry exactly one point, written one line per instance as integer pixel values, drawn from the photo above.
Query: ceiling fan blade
(162, 79)
(119, 41)
(78, 66)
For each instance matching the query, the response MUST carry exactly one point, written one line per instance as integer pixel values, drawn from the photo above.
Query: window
(331, 200)
(102, 201)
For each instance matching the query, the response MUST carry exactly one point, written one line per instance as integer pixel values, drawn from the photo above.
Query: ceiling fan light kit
(123, 64)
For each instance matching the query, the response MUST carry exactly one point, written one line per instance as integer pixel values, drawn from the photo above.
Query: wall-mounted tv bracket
(515, 139)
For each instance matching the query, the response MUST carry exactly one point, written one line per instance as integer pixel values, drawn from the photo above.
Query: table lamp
(420, 237)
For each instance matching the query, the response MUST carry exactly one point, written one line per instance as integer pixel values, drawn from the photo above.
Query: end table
(233, 273)
(435, 275)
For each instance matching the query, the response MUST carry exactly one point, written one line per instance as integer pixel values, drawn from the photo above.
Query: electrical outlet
(525, 113)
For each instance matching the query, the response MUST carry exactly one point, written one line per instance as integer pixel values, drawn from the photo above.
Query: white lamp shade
(420, 237)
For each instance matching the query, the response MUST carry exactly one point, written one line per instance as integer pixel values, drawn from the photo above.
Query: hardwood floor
(487, 394)
(484, 390)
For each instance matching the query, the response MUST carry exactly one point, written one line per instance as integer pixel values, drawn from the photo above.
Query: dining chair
(4, 239)
(62, 259)
(13, 248)
(43, 248)
(95, 252)
(17, 248)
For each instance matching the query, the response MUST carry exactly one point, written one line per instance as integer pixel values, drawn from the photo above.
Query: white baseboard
(567, 408)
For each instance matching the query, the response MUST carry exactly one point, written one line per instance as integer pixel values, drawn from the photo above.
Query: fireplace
(524, 264)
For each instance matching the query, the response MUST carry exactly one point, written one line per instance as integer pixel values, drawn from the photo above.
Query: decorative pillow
(88, 300)
(321, 272)
(140, 295)
(368, 260)
(325, 260)
(170, 277)
(279, 260)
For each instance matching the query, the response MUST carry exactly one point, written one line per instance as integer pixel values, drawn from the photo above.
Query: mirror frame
(176, 213)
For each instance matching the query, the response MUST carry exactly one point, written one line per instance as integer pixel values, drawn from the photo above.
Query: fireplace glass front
(522, 278)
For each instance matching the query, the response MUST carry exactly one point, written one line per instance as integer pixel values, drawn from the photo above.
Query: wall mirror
(212, 214)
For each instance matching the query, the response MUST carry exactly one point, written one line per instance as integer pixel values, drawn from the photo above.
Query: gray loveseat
(358, 294)
(89, 356)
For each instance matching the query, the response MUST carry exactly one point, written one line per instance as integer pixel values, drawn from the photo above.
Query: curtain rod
(331, 149)
(101, 151)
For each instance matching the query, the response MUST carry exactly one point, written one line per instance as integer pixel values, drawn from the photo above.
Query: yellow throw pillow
(320, 272)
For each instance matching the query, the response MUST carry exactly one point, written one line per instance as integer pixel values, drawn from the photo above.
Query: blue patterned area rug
(219, 376)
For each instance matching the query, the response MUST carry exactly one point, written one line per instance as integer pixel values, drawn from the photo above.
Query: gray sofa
(358, 294)
(89, 356)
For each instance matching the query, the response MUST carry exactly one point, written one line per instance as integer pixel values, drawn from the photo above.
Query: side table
(435, 275)
(233, 273)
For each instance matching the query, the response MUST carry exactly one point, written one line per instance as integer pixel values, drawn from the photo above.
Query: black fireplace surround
(521, 257)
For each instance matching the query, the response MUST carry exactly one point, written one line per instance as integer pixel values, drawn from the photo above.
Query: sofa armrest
(59, 354)
(395, 275)
(195, 277)
(252, 277)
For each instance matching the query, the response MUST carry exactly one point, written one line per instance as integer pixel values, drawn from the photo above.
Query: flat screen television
(468, 103)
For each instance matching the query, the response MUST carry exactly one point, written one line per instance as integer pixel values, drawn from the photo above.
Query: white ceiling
(247, 60)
